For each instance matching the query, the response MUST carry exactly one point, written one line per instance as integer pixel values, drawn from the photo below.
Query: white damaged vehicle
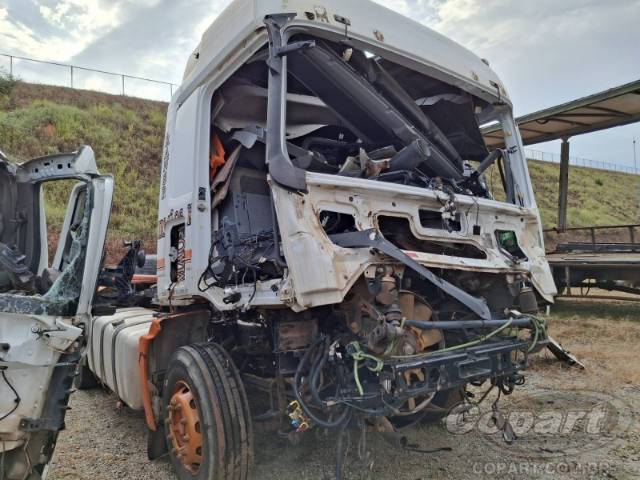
(45, 304)
(330, 240)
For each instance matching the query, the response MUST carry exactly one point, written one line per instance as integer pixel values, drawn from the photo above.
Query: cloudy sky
(546, 51)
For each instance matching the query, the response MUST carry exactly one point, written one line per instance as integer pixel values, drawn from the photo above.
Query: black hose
(326, 142)
(314, 375)
(15, 392)
(488, 161)
(410, 157)
(342, 417)
(314, 358)
(460, 324)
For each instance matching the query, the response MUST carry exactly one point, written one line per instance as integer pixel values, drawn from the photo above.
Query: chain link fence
(54, 73)
(579, 161)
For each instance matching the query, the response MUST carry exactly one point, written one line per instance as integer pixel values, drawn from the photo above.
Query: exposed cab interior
(42, 238)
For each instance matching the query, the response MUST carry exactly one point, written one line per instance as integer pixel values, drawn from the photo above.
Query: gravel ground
(105, 441)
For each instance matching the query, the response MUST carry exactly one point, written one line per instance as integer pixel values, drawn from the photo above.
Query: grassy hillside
(596, 197)
(127, 133)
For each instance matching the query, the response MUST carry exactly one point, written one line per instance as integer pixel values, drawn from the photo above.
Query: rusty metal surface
(295, 335)
(598, 260)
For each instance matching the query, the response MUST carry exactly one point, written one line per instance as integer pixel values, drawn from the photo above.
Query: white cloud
(57, 14)
(546, 51)
(16, 37)
(400, 6)
(75, 25)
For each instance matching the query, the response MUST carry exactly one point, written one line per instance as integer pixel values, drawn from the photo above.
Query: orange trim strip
(144, 345)
(139, 278)
(143, 363)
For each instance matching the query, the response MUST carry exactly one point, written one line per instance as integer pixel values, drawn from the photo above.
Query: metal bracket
(562, 354)
(280, 167)
(294, 47)
(373, 239)
(37, 424)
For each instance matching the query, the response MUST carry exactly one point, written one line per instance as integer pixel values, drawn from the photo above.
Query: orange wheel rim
(184, 428)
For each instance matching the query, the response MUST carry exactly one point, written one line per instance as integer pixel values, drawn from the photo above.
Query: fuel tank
(113, 352)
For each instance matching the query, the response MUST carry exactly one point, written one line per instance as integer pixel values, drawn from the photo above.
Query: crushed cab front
(45, 304)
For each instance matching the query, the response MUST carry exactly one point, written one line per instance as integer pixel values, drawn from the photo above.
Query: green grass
(596, 197)
(7, 82)
(127, 133)
(615, 311)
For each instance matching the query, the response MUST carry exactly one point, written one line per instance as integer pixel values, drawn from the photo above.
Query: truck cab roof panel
(241, 26)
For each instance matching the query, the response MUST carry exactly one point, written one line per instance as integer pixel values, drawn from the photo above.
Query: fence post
(123, 85)
(71, 70)
(10, 65)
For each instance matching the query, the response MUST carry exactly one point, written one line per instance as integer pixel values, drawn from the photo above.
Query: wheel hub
(184, 428)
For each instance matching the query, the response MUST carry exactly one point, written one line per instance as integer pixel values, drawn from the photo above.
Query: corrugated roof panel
(610, 108)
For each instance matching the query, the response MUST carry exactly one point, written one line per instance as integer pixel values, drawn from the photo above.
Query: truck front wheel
(206, 415)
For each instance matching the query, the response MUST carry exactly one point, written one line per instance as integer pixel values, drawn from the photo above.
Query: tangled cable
(312, 383)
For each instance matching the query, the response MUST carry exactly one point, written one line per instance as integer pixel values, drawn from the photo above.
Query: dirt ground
(585, 423)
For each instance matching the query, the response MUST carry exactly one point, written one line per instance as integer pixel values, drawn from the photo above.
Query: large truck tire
(206, 415)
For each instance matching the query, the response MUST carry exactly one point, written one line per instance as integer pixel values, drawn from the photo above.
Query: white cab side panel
(29, 363)
(184, 197)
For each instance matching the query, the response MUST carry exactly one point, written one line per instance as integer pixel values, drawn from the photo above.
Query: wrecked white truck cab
(338, 91)
(328, 236)
(45, 305)
(326, 220)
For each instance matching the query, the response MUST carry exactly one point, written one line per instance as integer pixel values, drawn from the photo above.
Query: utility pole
(563, 185)
(635, 161)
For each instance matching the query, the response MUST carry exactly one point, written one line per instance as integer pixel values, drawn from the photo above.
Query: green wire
(462, 345)
(539, 326)
(359, 355)
(356, 377)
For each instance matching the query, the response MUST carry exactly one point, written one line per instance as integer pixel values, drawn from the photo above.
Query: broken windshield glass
(29, 283)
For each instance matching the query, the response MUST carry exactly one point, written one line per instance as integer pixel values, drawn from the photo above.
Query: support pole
(563, 185)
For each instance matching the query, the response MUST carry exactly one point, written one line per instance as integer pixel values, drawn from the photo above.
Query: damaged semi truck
(327, 240)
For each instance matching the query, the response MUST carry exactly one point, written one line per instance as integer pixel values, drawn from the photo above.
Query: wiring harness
(339, 391)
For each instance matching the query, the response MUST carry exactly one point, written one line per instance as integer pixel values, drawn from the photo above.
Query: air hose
(344, 415)
(358, 355)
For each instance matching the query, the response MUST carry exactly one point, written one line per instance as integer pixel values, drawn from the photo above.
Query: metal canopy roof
(610, 108)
